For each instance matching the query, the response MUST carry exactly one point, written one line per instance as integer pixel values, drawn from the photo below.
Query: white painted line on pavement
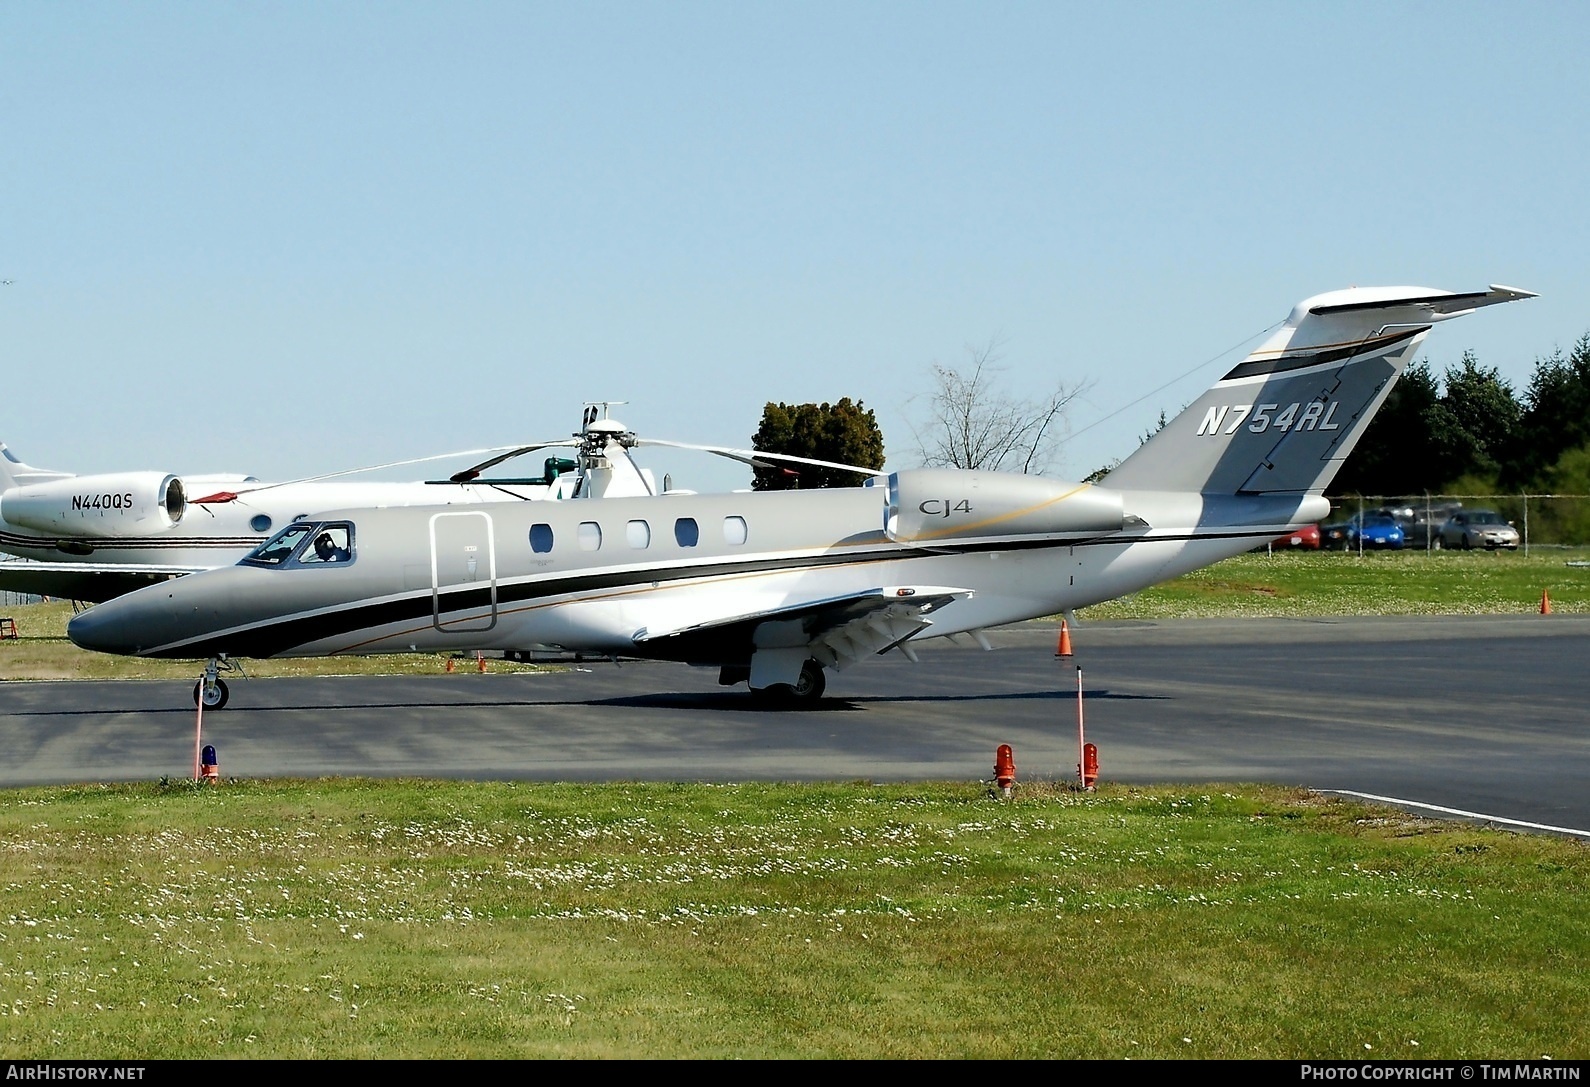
(1459, 811)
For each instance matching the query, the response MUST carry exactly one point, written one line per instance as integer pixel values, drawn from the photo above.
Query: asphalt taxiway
(1487, 715)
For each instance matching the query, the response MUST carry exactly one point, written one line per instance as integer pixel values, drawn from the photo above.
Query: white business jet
(774, 588)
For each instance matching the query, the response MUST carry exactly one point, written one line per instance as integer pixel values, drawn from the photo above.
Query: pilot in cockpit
(326, 549)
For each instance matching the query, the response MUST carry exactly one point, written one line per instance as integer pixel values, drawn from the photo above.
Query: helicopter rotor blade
(244, 489)
(473, 472)
(757, 458)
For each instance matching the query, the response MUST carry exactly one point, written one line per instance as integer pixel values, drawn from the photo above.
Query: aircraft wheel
(810, 687)
(804, 691)
(215, 697)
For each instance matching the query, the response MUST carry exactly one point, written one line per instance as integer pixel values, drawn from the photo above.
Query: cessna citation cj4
(96, 537)
(774, 587)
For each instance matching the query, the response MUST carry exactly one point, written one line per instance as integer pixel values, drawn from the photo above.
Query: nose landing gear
(211, 691)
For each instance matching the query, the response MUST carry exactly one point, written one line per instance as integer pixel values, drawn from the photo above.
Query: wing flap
(876, 632)
(838, 630)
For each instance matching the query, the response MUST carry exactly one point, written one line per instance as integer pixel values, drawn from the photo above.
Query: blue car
(1370, 530)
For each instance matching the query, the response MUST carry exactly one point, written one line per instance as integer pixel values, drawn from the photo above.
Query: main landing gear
(211, 691)
(805, 691)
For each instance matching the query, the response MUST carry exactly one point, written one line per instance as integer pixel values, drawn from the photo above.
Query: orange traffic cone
(1545, 601)
(449, 662)
(480, 661)
(1064, 648)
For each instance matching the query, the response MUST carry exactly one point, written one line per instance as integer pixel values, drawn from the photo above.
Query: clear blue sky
(294, 237)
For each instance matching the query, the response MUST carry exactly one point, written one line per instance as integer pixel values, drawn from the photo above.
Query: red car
(1306, 538)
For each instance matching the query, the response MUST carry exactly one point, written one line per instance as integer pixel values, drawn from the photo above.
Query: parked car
(1425, 530)
(1478, 528)
(1421, 519)
(1305, 538)
(1372, 529)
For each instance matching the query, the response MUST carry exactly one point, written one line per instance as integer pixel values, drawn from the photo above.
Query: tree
(1426, 436)
(1159, 426)
(972, 423)
(1485, 414)
(1565, 520)
(845, 432)
(1556, 415)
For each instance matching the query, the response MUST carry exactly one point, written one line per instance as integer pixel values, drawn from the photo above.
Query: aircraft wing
(93, 582)
(837, 630)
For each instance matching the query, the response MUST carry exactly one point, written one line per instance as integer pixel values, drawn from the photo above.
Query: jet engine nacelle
(940, 505)
(120, 504)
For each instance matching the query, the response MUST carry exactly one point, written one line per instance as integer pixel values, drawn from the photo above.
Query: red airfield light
(1005, 768)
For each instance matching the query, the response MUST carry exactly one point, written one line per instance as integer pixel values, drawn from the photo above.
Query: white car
(1469, 529)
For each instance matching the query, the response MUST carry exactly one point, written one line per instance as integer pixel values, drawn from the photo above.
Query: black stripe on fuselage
(277, 636)
(1286, 363)
(126, 543)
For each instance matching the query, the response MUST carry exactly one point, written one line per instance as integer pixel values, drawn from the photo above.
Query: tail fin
(13, 473)
(1286, 417)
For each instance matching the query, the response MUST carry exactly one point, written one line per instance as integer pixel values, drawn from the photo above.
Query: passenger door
(463, 572)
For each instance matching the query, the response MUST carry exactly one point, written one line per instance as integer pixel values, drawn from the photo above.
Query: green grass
(348, 918)
(1297, 584)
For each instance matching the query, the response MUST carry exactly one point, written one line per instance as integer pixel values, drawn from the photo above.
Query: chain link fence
(1542, 520)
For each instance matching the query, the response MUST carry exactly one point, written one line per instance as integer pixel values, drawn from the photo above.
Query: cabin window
(686, 532)
(639, 534)
(590, 536)
(541, 538)
(260, 523)
(734, 530)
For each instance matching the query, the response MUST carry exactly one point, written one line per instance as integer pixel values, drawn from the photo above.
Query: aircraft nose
(104, 629)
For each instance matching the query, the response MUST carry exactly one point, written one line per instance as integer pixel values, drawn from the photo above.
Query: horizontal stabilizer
(1285, 418)
(1440, 304)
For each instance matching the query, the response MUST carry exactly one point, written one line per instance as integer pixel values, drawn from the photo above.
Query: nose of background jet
(105, 628)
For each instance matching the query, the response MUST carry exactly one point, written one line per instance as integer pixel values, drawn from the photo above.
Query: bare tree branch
(973, 423)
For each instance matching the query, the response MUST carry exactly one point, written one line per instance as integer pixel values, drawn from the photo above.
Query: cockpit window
(332, 543)
(280, 547)
(306, 544)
